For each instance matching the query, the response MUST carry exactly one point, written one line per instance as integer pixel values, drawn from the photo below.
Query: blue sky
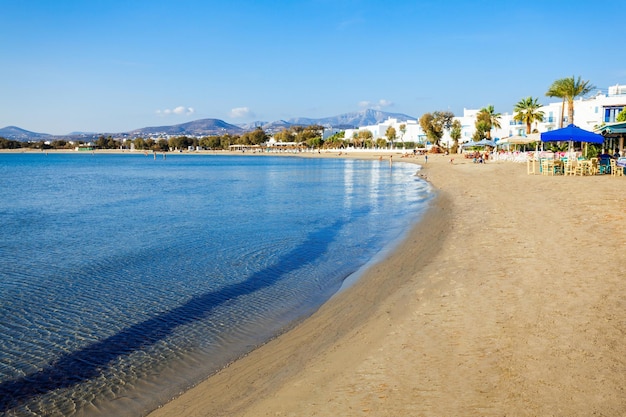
(114, 66)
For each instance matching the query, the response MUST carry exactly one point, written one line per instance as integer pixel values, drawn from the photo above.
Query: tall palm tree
(527, 111)
(489, 117)
(570, 88)
(557, 89)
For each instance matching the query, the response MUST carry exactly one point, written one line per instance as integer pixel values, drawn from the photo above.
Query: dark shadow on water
(89, 362)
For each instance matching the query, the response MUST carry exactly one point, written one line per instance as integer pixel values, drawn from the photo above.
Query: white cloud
(180, 110)
(241, 113)
(381, 104)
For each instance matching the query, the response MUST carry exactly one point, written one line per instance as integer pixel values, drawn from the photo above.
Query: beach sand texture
(509, 299)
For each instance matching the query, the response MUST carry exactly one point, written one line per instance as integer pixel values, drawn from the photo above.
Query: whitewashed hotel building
(589, 113)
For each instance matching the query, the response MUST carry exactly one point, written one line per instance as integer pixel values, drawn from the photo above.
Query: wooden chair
(570, 167)
(615, 170)
(559, 167)
(604, 166)
(594, 166)
(547, 167)
(583, 168)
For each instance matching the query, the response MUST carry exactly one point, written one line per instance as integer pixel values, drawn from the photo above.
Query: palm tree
(490, 119)
(527, 111)
(570, 88)
(557, 89)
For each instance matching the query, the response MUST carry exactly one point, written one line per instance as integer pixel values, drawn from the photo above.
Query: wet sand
(509, 298)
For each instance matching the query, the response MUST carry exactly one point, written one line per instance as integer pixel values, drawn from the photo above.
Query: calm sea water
(125, 280)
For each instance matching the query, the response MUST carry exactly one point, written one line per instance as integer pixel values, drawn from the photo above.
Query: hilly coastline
(212, 127)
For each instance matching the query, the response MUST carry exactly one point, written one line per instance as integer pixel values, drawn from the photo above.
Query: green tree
(527, 111)
(482, 127)
(488, 119)
(9, 144)
(112, 143)
(335, 141)
(285, 135)
(381, 143)
(101, 142)
(309, 133)
(427, 124)
(363, 137)
(434, 125)
(139, 143)
(227, 140)
(621, 116)
(455, 133)
(59, 144)
(180, 142)
(106, 142)
(255, 137)
(211, 142)
(390, 134)
(258, 136)
(315, 142)
(402, 131)
(161, 145)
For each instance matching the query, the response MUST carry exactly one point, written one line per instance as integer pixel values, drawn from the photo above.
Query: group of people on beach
(478, 158)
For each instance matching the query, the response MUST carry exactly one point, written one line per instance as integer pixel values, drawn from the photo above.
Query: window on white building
(610, 113)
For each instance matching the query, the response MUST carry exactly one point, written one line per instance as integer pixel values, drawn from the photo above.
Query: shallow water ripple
(116, 295)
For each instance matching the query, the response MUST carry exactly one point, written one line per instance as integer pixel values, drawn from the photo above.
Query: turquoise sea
(125, 279)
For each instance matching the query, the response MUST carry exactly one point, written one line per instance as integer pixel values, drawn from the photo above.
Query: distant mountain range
(16, 133)
(202, 127)
(209, 127)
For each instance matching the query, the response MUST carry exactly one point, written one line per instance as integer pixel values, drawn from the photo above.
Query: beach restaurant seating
(559, 167)
(578, 166)
(547, 166)
(604, 166)
(621, 165)
(615, 170)
(594, 166)
(583, 167)
(569, 167)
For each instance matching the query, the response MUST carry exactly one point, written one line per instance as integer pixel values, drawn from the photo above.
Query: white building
(588, 113)
(412, 131)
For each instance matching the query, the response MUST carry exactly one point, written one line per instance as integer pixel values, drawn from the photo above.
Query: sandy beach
(508, 299)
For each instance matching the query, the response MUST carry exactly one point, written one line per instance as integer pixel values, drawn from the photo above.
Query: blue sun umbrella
(572, 133)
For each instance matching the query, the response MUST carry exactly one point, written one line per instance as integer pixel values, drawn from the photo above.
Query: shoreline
(490, 306)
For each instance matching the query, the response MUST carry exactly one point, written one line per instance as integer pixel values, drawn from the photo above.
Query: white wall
(588, 113)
